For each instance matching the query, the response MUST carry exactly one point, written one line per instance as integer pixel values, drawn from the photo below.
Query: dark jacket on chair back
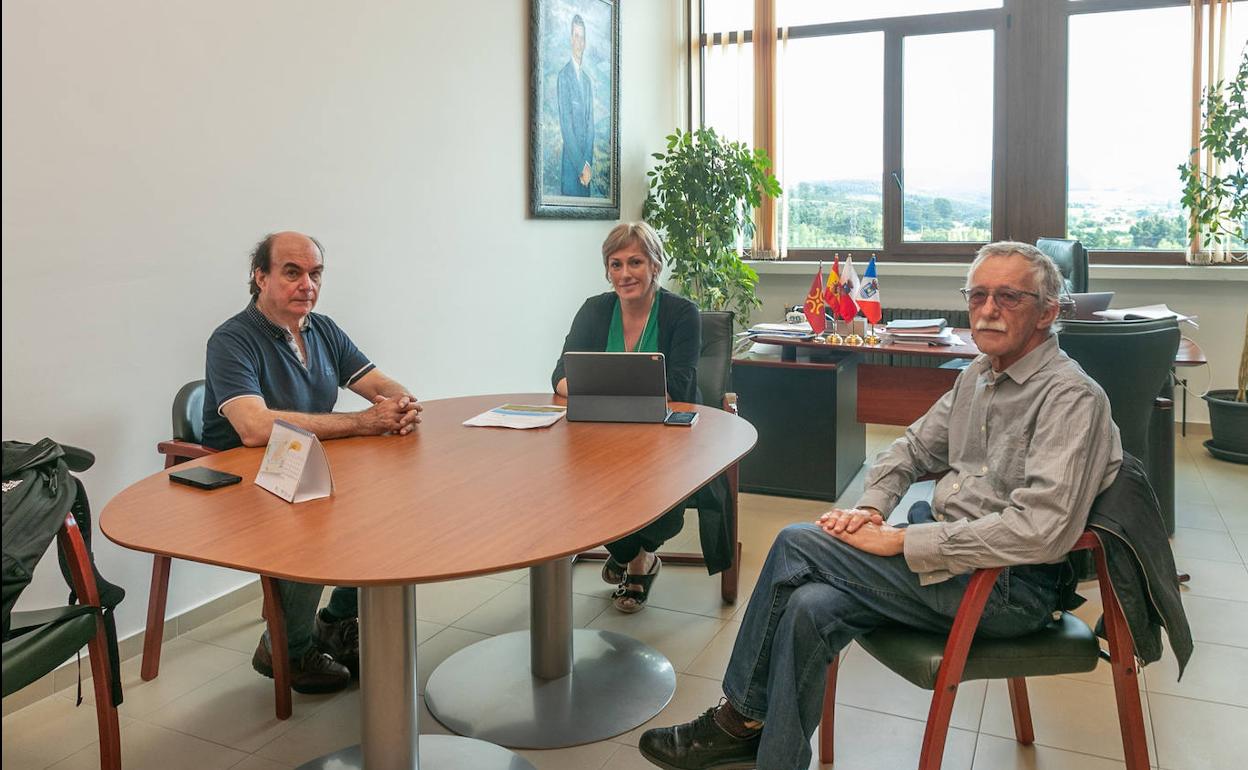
(1127, 519)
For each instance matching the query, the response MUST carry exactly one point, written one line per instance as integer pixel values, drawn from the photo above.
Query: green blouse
(649, 341)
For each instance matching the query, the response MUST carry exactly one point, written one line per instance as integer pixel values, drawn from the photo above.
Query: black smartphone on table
(204, 478)
(681, 419)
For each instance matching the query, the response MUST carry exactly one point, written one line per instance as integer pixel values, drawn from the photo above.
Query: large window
(885, 119)
(1129, 126)
(833, 143)
(947, 146)
(920, 129)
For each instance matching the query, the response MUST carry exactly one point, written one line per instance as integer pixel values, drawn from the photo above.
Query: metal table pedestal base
(437, 752)
(487, 691)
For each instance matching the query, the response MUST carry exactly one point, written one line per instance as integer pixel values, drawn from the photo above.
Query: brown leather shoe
(314, 673)
(340, 639)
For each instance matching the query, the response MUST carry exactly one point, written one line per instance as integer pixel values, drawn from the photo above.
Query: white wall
(148, 144)
(1219, 303)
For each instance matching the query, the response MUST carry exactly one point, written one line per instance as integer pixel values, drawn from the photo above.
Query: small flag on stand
(814, 307)
(832, 292)
(868, 294)
(849, 285)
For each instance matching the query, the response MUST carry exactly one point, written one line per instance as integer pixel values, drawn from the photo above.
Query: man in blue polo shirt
(279, 360)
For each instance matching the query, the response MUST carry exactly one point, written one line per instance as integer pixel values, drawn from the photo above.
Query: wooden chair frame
(176, 452)
(69, 538)
(1121, 656)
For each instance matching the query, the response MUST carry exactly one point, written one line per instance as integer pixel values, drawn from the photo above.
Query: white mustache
(992, 326)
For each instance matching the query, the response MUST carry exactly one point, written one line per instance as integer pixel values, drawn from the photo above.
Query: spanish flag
(832, 292)
(814, 303)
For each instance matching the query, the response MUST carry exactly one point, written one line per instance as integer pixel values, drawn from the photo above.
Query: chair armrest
(180, 451)
(1088, 541)
(730, 403)
(965, 622)
(1163, 404)
(75, 550)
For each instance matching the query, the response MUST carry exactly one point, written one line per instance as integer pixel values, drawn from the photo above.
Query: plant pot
(1228, 420)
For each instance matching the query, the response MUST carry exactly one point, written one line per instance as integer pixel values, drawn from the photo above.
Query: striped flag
(832, 292)
(849, 285)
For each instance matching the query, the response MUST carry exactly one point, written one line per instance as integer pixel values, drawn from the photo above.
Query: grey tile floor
(209, 710)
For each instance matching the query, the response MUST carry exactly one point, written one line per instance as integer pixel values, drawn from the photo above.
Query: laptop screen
(1086, 305)
(615, 374)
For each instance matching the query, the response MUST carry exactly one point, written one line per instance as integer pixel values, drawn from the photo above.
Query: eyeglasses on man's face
(1006, 299)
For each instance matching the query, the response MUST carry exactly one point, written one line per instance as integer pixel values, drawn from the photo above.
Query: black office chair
(1071, 260)
(714, 378)
(1132, 360)
(188, 432)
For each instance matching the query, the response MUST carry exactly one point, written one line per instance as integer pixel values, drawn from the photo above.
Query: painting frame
(574, 123)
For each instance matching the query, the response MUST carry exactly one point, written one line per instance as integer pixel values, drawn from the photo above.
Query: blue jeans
(815, 595)
(299, 602)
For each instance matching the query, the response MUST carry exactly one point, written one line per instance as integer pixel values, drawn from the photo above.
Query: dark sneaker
(341, 639)
(314, 673)
(700, 745)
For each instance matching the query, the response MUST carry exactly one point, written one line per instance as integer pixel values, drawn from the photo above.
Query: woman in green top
(638, 316)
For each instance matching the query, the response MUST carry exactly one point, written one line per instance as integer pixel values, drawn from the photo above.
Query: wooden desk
(447, 502)
(899, 395)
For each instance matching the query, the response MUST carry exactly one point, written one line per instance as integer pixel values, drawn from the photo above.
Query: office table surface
(446, 501)
(1189, 353)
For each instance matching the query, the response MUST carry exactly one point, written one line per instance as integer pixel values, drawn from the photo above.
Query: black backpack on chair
(38, 491)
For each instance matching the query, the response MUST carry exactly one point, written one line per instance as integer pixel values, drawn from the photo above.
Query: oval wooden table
(442, 503)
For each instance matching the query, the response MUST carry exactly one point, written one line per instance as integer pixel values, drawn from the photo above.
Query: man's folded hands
(864, 530)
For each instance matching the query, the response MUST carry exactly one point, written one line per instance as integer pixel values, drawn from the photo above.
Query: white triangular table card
(295, 467)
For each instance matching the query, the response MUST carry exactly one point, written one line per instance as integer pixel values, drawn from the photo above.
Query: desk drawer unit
(810, 443)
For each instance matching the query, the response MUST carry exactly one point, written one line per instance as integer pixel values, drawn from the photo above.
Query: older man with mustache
(1024, 441)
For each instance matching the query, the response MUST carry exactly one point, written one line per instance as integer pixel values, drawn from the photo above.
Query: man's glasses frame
(1006, 299)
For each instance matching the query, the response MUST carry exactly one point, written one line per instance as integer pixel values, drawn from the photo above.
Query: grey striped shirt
(1024, 453)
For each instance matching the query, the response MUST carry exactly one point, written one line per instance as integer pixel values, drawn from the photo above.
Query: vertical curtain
(1210, 21)
(778, 157)
(730, 106)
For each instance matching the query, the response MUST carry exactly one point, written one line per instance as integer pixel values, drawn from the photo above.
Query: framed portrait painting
(574, 109)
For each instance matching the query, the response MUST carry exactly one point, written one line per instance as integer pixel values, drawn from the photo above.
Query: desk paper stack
(933, 331)
(800, 331)
(518, 416)
(1145, 311)
(915, 326)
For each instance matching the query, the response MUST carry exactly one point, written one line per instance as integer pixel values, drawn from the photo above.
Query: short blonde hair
(627, 234)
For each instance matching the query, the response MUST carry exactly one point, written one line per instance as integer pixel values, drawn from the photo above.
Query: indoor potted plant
(1219, 211)
(703, 192)
(1228, 415)
(1218, 202)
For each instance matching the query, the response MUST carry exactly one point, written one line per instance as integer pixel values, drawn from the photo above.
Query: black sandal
(628, 599)
(612, 571)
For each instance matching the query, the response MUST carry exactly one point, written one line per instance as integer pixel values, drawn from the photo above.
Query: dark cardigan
(1127, 519)
(680, 339)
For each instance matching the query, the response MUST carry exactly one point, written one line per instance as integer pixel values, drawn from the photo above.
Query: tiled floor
(209, 710)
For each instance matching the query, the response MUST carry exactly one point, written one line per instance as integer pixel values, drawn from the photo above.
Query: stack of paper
(518, 416)
(915, 326)
(782, 330)
(943, 337)
(1144, 311)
